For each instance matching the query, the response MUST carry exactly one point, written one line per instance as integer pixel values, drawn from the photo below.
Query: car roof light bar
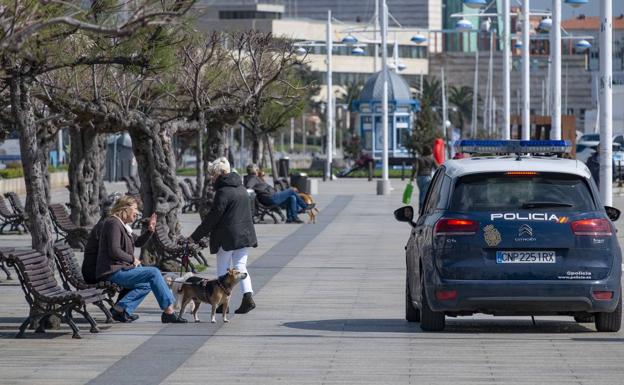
(513, 146)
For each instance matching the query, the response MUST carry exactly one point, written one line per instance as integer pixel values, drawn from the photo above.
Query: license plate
(526, 257)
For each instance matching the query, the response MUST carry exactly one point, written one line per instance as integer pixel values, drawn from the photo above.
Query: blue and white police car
(515, 233)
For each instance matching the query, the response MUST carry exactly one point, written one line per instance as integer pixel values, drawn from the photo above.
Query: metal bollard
(331, 170)
(370, 171)
(619, 174)
(403, 171)
(324, 168)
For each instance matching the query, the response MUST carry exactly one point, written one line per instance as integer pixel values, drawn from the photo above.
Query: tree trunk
(214, 148)
(255, 149)
(269, 147)
(33, 163)
(200, 155)
(156, 166)
(86, 174)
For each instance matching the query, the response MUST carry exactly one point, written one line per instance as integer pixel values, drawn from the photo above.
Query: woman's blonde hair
(219, 166)
(120, 208)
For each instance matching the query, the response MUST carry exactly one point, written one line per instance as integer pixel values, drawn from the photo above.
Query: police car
(513, 234)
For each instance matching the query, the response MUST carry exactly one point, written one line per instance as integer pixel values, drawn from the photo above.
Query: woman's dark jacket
(229, 223)
(116, 248)
(89, 261)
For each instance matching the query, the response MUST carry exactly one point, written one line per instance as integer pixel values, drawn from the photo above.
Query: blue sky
(591, 9)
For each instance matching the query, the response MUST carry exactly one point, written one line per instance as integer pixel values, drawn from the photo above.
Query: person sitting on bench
(267, 195)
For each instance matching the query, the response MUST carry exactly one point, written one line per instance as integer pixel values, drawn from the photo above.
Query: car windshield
(590, 138)
(494, 191)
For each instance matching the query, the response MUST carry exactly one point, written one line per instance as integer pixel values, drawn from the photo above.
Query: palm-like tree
(461, 99)
(426, 126)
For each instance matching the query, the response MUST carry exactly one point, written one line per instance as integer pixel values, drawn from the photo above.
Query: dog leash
(185, 258)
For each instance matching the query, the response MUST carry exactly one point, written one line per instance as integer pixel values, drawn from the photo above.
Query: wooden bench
(9, 218)
(75, 236)
(273, 211)
(45, 297)
(191, 202)
(71, 274)
(167, 249)
(196, 190)
(16, 203)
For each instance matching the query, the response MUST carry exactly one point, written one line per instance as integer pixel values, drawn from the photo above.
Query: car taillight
(602, 294)
(452, 226)
(595, 227)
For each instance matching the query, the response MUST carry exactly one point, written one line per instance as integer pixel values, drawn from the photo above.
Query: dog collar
(227, 292)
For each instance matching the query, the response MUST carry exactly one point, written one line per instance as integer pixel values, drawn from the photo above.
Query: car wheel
(430, 321)
(610, 322)
(584, 319)
(412, 313)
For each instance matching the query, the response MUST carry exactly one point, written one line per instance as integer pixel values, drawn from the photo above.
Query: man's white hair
(219, 166)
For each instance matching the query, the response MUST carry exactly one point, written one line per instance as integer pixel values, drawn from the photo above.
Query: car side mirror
(405, 214)
(612, 213)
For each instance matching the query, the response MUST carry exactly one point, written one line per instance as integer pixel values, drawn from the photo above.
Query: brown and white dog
(307, 198)
(216, 292)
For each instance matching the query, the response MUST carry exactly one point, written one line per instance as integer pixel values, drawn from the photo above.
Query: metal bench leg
(23, 327)
(109, 316)
(6, 271)
(70, 321)
(87, 316)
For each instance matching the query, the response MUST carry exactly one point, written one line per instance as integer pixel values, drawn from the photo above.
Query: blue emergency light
(513, 146)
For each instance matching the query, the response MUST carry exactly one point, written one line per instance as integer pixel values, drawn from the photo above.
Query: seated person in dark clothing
(267, 195)
(91, 249)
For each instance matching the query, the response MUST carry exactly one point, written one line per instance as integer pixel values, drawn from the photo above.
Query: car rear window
(493, 191)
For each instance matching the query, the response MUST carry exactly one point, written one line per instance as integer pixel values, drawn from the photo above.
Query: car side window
(433, 195)
(445, 192)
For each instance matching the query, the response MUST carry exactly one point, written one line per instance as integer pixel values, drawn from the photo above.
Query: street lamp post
(606, 100)
(526, 79)
(506, 69)
(555, 59)
(330, 107)
(383, 185)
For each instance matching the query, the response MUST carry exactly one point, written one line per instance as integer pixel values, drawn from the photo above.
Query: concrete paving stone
(332, 314)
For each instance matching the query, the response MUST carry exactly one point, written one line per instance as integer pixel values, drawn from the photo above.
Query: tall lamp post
(330, 106)
(383, 185)
(606, 101)
(506, 69)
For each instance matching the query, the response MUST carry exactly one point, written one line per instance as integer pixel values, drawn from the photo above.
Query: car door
(421, 233)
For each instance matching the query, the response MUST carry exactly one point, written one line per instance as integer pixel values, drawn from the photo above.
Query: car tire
(430, 321)
(610, 322)
(412, 313)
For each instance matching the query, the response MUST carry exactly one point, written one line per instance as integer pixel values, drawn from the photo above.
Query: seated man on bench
(267, 195)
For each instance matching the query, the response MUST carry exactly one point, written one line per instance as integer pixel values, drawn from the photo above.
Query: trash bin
(282, 167)
(300, 181)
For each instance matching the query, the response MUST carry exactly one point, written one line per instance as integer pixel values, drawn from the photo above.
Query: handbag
(407, 193)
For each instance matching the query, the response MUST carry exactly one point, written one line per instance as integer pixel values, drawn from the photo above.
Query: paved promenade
(330, 310)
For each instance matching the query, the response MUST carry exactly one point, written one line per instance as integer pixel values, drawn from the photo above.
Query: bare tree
(30, 34)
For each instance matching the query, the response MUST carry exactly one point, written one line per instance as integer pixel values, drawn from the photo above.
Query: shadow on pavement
(452, 326)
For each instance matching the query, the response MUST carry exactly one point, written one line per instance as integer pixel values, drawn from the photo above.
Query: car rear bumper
(523, 297)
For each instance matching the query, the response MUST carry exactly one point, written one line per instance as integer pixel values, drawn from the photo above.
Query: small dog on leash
(214, 291)
(307, 198)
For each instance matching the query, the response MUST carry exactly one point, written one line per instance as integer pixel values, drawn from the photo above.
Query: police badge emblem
(491, 235)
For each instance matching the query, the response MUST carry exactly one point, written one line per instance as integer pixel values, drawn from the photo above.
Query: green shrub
(200, 267)
(187, 171)
(10, 173)
(14, 165)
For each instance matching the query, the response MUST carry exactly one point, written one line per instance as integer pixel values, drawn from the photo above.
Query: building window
(226, 15)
